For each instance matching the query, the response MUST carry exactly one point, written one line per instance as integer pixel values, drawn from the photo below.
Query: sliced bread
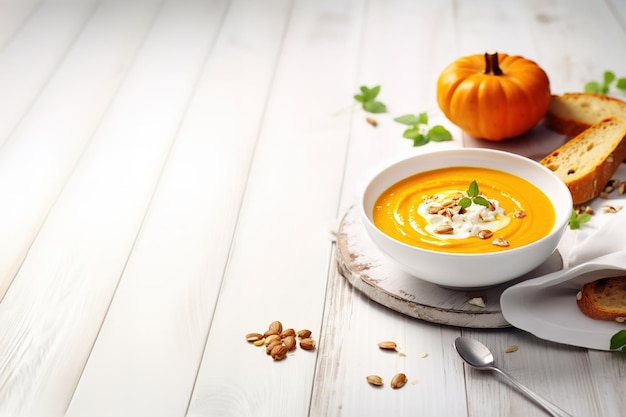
(588, 161)
(571, 113)
(604, 299)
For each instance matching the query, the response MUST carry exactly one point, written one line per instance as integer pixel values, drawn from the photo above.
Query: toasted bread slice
(588, 161)
(604, 299)
(572, 113)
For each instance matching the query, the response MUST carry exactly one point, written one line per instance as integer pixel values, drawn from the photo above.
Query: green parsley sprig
(604, 86)
(473, 196)
(419, 132)
(367, 98)
(577, 220)
(618, 341)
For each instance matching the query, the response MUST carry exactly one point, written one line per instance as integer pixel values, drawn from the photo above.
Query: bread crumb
(511, 348)
(477, 301)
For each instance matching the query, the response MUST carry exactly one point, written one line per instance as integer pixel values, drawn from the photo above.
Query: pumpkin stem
(491, 63)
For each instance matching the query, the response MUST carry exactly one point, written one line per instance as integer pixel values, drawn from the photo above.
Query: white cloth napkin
(605, 233)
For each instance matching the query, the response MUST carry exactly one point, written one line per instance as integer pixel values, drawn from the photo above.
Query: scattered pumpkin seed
(307, 343)
(304, 333)
(398, 381)
(253, 337)
(511, 348)
(374, 380)
(387, 345)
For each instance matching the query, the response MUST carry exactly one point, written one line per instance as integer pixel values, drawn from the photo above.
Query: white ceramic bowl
(469, 270)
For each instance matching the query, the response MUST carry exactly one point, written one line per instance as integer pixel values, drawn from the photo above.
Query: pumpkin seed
(388, 345)
(253, 337)
(279, 352)
(307, 343)
(276, 326)
(290, 343)
(304, 333)
(374, 380)
(398, 381)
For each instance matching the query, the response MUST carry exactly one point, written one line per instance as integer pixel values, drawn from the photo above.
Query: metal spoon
(478, 356)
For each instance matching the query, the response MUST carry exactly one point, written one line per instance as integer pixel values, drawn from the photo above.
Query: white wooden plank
(488, 24)
(54, 309)
(401, 54)
(618, 8)
(43, 148)
(577, 41)
(354, 325)
(30, 59)
(149, 348)
(558, 372)
(14, 14)
(607, 383)
(279, 261)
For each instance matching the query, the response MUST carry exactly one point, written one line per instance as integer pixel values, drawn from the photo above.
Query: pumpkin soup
(464, 210)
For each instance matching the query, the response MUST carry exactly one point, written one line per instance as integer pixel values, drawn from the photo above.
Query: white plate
(546, 306)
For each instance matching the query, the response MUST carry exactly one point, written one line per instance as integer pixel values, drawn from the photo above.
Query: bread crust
(565, 126)
(572, 113)
(594, 299)
(590, 185)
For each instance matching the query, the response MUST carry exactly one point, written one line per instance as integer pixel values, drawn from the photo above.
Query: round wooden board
(369, 271)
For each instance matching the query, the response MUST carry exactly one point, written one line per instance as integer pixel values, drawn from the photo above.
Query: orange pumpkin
(493, 96)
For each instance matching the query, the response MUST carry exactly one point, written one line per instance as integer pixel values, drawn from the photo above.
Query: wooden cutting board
(369, 271)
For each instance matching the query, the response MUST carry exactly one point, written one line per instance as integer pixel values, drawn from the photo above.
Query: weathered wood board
(372, 273)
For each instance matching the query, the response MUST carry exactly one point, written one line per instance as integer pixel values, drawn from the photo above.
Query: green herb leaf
(481, 201)
(618, 341)
(367, 94)
(473, 190)
(609, 77)
(416, 135)
(413, 133)
(421, 140)
(577, 220)
(473, 196)
(374, 107)
(408, 119)
(439, 134)
(465, 202)
(592, 87)
(603, 87)
(418, 130)
(368, 99)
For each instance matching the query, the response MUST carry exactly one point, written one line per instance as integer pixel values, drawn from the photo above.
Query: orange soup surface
(424, 211)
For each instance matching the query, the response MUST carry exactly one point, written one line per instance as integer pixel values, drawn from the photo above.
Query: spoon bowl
(478, 356)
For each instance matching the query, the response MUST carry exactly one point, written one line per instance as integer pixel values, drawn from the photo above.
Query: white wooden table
(171, 174)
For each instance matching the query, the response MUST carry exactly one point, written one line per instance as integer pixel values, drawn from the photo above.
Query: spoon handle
(551, 408)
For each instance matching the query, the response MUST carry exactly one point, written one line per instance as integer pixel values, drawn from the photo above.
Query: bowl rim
(558, 227)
